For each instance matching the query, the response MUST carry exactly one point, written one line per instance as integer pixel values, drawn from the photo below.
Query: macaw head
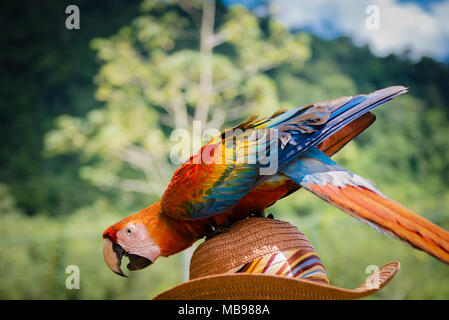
(135, 238)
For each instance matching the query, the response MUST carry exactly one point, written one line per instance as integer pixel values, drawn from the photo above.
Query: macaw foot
(216, 230)
(224, 227)
(261, 214)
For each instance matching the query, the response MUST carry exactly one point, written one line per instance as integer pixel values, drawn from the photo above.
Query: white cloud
(401, 26)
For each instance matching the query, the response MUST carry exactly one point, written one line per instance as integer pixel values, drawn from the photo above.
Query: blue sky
(423, 3)
(421, 27)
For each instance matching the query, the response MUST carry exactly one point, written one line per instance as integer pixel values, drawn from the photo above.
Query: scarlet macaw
(225, 182)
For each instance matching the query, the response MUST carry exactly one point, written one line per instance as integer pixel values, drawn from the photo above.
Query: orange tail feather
(389, 216)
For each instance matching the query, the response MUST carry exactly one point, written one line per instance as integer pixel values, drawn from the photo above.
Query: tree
(179, 65)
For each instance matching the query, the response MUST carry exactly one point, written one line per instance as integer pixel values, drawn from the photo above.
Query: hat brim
(241, 286)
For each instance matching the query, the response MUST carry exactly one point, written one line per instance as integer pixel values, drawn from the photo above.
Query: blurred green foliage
(86, 121)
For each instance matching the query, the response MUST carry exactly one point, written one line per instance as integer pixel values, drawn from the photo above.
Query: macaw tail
(359, 198)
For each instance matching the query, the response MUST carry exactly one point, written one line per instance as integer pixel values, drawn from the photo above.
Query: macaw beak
(113, 254)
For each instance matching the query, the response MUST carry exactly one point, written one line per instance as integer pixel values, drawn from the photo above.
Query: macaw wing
(226, 169)
(335, 142)
(215, 179)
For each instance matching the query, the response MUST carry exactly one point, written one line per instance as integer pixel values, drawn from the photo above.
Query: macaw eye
(129, 231)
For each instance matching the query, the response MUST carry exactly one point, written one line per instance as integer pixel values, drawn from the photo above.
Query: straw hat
(261, 258)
